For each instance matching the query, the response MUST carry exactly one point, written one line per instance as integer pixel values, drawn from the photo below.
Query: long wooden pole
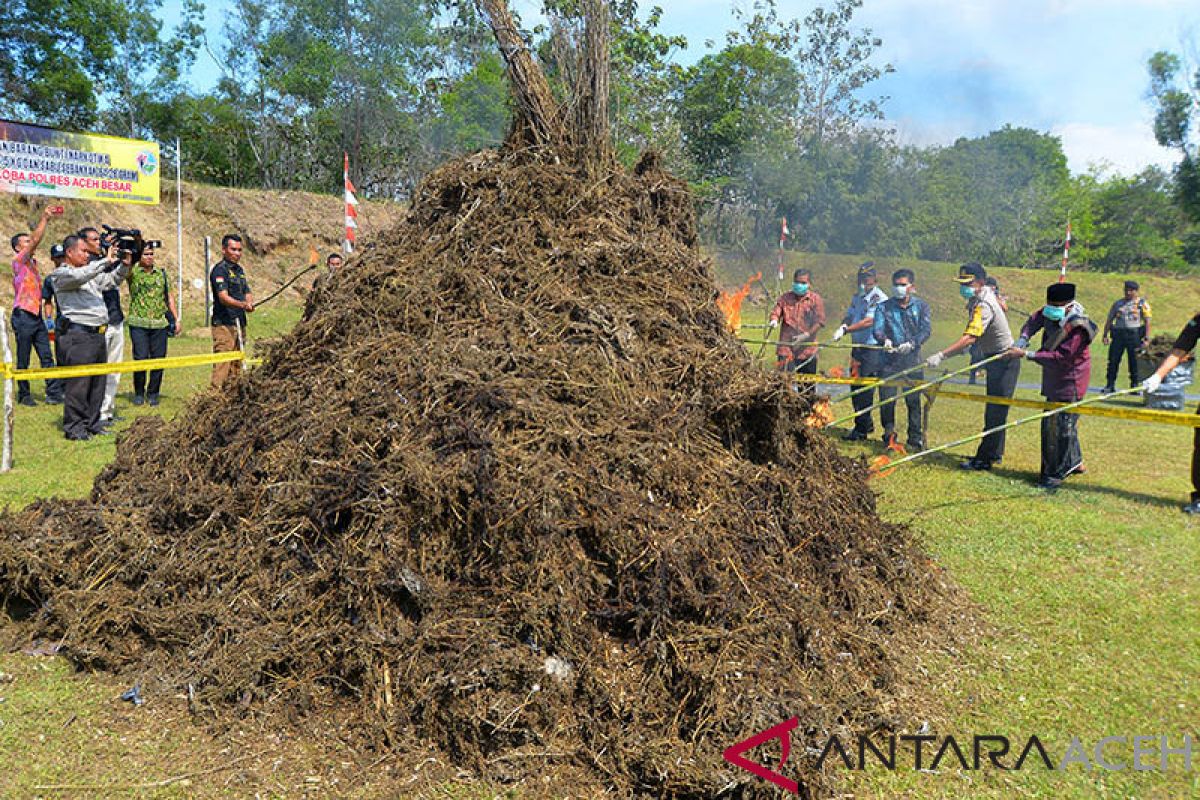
(537, 113)
(6, 450)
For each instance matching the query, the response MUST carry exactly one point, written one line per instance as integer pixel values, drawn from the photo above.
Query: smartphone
(56, 211)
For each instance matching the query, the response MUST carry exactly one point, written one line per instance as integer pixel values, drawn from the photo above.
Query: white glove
(905, 348)
(773, 323)
(887, 346)
(839, 333)
(1151, 384)
(934, 360)
(1021, 343)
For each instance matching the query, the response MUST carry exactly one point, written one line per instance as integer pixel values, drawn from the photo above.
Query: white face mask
(900, 291)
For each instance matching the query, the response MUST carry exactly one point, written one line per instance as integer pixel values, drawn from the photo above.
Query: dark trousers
(148, 343)
(1061, 454)
(868, 367)
(31, 335)
(1124, 341)
(81, 404)
(1002, 376)
(912, 402)
(1196, 461)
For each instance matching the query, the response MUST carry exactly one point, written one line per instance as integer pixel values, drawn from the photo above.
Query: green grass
(1088, 596)
(47, 465)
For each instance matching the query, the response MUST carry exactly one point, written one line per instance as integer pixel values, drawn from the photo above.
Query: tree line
(781, 119)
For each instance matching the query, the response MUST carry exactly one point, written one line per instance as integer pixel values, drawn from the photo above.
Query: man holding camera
(233, 301)
(114, 339)
(27, 321)
(79, 286)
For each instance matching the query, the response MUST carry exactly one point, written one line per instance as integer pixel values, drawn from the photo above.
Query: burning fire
(835, 372)
(878, 467)
(730, 303)
(821, 414)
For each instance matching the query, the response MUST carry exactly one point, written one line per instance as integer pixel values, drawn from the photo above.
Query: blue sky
(1074, 68)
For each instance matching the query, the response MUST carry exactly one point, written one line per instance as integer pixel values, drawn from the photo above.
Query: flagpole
(179, 229)
(1062, 273)
(351, 205)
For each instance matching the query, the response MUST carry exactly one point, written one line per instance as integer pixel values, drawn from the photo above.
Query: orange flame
(835, 372)
(878, 467)
(894, 446)
(730, 303)
(821, 414)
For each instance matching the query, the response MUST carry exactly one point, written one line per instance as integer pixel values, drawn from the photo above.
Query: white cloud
(1125, 149)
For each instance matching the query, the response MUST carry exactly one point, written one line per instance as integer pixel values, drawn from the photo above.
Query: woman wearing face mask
(802, 313)
(1066, 362)
(987, 324)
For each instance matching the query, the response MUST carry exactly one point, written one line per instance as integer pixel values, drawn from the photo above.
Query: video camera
(127, 240)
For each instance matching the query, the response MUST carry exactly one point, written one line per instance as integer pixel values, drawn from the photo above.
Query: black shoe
(78, 437)
(915, 445)
(152, 399)
(1192, 507)
(1050, 485)
(1108, 390)
(26, 401)
(138, 399)
(101, 432)
(855, 436)
(54, 401)
(975, 465)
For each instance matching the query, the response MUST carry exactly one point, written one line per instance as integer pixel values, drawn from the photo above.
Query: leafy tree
(61, 61)
(1177, 124)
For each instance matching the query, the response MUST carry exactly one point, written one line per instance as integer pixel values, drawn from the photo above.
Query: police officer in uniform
(1127, 328)
(233, 302)
(987, 324)
(79, 288)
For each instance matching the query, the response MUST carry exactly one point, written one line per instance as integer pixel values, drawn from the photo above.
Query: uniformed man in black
(232, 301)
(1185, 344)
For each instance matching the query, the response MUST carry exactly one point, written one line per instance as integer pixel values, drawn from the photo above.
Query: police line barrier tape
(107, 368)
(1136, 414)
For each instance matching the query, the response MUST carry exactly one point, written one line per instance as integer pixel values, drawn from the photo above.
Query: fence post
(7, 447)
(207, 270)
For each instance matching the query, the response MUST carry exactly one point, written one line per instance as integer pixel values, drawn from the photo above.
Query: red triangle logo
(782, 732)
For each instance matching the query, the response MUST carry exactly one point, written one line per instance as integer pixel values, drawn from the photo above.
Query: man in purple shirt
(1066, 364)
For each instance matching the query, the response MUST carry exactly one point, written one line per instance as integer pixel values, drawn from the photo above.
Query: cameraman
(79, 287)
(114, 339)
(151, 309)
(233, 302)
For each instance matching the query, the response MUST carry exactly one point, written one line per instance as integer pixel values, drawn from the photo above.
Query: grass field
(1088, 598)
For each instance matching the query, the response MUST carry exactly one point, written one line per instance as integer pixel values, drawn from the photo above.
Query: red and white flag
(351, 207)
(1062, 273)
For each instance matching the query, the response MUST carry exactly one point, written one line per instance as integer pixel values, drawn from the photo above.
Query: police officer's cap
(58, 251)
(969, 273)
(1132, 285)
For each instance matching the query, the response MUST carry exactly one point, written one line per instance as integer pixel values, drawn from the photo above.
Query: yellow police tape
(1115, 412)
(87, 370)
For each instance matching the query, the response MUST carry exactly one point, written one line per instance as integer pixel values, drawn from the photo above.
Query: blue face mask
(800, 288)
(1054, 313)
(966, 291)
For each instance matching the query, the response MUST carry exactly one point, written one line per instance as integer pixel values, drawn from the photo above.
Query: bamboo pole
(6, 450)
(1032, 418)
(919, 388)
